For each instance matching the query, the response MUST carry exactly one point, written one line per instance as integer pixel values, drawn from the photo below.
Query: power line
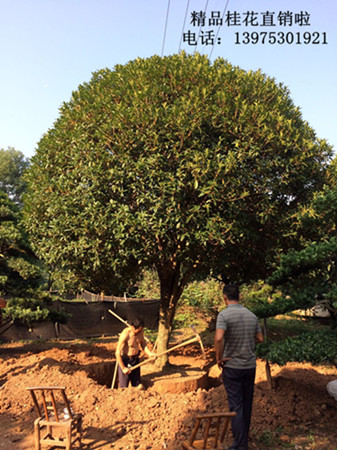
(182, 31)
(217, 34)
(197, 40)
(167, 14)
(200, 27)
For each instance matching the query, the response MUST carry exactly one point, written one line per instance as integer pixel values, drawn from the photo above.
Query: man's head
(137, 324)
(231, 293)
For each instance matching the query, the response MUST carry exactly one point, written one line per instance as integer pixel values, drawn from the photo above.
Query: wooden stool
(215, 421)
(63, 427)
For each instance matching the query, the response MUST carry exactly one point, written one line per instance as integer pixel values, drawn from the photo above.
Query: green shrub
(317, 347)
(204, 295)
(36, 306)
(184, 319)
(201, 294)
(265, 302)
(148, 286)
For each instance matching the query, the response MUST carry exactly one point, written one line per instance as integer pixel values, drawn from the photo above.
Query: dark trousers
(133, 377)
(239, 385)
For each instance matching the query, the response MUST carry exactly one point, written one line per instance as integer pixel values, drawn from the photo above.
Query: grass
(282, 327)
(278, 439)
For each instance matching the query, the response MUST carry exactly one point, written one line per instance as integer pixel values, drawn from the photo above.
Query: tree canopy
(13, 164)
(176, 163)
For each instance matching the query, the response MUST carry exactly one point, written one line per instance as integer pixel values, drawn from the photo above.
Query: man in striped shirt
(237, 331)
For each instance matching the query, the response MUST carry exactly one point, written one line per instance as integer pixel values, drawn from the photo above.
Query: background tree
(18, 264)
(171, 163)
(305, 278)
(13, 164)
(21, 280)
(312, 270)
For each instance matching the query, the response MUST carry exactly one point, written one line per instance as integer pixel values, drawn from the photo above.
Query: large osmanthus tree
(171, 162)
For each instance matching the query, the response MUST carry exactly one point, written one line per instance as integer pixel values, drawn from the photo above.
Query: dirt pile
(298, 410)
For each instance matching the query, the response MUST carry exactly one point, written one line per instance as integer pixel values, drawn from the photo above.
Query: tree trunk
(171, 288)
(164, 334)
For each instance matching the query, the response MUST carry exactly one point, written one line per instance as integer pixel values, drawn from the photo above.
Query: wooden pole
(114, 376)
(190, 341)
(127, 324)
(119, 318)
(268, 371)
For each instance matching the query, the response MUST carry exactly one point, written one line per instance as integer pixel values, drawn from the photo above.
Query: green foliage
(19, 268)
(282, 304)
(264, 301)
(20, 310)
(332, 173)
(204, 295)
(148, 286)
(171, 162)
(62, 281)
(317, 347)
(20, 271)
(305, 277)
(268, 438)
(313, 268)
(256, 295)
(35, 306)
(291, 325)
(13, 164)
(184, 318)
(295, 263)
(151, 334)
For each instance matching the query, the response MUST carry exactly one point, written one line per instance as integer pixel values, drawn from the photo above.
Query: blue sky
(49, 47)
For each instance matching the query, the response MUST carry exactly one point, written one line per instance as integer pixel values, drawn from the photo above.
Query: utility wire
(167, 14)
(217, 34)
(182, 31)
(200, 28)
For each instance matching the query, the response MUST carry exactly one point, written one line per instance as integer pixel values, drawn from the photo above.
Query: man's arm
(144, 346)
(218, 345)
(259, 337)
(119, 350)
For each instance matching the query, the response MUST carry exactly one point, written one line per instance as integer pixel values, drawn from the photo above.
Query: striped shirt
(240, 326)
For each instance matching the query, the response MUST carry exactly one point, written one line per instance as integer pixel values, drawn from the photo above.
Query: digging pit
(101, 373)
(172, 379)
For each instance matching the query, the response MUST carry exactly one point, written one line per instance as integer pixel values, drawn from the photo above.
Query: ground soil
(296, 413)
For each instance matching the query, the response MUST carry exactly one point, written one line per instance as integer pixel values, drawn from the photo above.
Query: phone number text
(274, 37)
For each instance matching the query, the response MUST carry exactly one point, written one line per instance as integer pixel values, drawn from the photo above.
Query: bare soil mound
(297, 413)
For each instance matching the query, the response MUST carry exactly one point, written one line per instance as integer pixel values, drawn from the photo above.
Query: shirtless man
(130, 343)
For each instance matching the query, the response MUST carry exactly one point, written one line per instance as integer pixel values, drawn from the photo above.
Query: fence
(86, 319)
